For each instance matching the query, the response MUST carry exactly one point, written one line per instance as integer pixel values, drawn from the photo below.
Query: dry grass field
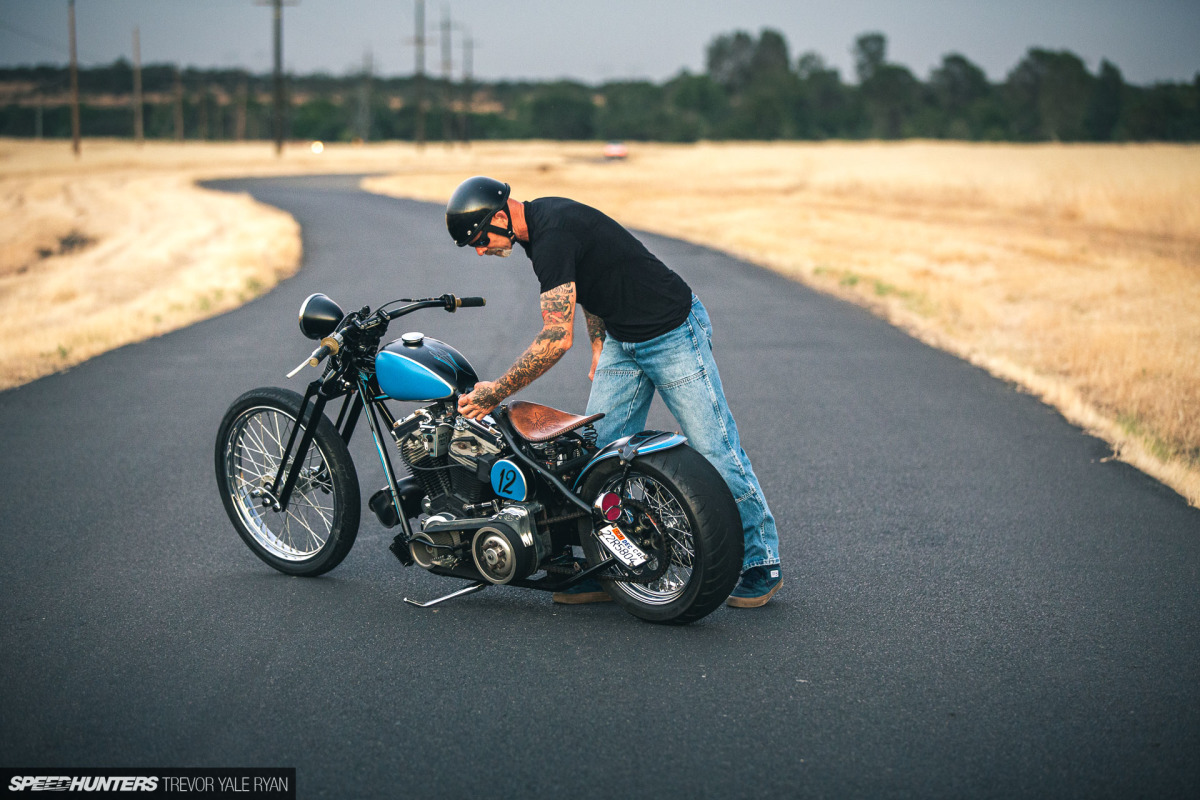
(121, 245)
(1072, 270)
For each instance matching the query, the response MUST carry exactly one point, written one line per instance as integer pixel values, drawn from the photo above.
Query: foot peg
(474, 587)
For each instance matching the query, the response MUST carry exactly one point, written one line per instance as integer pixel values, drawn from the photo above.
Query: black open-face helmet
(472, 206)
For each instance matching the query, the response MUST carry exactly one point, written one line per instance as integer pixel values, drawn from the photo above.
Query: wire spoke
(256, 452)
(669, 514)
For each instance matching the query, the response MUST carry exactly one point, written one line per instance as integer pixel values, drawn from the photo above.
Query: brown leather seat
(538, 423)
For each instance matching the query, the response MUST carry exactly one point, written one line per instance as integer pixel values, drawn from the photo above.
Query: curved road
(976, 602)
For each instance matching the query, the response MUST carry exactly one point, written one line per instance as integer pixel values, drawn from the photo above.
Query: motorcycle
(511, 500)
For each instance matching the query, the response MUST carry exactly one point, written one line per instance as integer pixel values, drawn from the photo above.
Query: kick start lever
(474, 587)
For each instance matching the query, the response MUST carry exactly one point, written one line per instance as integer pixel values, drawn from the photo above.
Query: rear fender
(629, 447)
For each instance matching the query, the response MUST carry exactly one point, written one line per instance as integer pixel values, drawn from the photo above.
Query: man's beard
(502, 252)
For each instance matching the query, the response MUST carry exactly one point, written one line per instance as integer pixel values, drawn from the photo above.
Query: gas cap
(412, 339)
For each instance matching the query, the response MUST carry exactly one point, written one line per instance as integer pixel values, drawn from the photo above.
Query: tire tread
(347, 517)
(712, 505)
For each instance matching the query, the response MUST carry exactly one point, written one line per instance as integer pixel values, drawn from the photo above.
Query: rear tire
(317, 529)
(694, 508)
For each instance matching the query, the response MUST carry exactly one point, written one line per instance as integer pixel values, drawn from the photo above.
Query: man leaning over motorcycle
(648, 333)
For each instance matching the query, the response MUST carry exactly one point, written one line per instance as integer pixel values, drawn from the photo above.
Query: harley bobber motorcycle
(523, 497)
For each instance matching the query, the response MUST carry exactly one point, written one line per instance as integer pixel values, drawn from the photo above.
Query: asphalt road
(977, 603)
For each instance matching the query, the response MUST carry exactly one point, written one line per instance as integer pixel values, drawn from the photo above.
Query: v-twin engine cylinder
(450, 456)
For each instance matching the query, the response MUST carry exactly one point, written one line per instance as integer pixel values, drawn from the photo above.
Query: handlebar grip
(471, 302)
(330, 344)
(318, 355)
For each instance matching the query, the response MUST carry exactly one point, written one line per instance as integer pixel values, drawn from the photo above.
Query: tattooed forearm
(595, 327)
(558, 317)
(543, 354)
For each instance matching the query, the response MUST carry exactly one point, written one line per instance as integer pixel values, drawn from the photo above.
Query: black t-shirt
(616, 277)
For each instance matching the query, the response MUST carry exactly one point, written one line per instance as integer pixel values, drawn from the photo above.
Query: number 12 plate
(619, 545)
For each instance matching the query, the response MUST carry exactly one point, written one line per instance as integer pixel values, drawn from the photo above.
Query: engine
(451, 459)
(469, 527)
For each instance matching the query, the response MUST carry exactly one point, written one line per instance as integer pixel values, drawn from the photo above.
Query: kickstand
(474, 587)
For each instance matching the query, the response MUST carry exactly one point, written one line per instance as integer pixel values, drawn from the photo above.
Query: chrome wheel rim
(673, 522)
(252, 457)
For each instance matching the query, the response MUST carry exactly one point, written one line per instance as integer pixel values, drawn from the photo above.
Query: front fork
(316, 397)
(363, 396)
(311, 409)
(312, 406)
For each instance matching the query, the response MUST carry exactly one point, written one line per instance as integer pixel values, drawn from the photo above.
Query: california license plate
(619, 545)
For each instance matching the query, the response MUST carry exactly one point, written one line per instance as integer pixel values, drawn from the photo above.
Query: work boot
(588, 591)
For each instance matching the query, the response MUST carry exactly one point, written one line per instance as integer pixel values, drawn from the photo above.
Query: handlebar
(330, 345)
(447, 301)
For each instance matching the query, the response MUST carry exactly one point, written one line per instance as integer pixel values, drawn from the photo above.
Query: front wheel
(317, 528)
(689, 502)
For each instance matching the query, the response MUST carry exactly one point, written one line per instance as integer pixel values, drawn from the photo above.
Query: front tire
(695, 510)
(317, 529)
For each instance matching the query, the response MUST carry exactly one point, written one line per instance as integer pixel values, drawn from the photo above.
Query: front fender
(631, 446)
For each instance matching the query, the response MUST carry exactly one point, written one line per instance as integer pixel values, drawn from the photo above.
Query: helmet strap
(509, 232)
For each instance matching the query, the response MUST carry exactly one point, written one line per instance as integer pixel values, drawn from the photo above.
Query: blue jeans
(680, 365)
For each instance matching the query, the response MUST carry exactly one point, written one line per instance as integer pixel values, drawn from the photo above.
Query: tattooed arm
(558, 319)
(596, 332)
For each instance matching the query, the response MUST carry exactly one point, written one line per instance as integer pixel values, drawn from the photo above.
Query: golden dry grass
(121, 245)
(1072, 270)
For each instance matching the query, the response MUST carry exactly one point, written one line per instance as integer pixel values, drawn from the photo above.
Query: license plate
(619, 545)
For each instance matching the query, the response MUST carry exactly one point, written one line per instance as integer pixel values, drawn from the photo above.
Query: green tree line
(752, 88)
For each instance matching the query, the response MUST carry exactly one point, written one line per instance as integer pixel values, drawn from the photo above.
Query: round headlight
(319, 316)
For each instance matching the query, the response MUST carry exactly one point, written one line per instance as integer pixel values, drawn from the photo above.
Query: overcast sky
(600, 40)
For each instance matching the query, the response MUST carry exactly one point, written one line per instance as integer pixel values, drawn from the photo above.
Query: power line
(58, 47)
(33, 37)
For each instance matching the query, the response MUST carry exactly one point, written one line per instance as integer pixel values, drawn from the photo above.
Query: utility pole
(218, 115)
(178, 105)
(74, 79)
(239, 119)
(202, 114)
(277, 26)
(419, 40)
(139, 132)
(447, 67)
(468, 52)
(364, 98)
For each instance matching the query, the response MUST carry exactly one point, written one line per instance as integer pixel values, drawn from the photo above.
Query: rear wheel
(317, 528)
(692, 508)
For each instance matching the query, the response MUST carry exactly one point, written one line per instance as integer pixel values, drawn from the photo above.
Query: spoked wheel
(318, 526)
(667, 514)
(691, 507)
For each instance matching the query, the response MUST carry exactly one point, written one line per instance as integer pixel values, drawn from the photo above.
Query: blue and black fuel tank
(418, 368)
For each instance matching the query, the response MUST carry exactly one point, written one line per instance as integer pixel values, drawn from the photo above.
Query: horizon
(1150, 42)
